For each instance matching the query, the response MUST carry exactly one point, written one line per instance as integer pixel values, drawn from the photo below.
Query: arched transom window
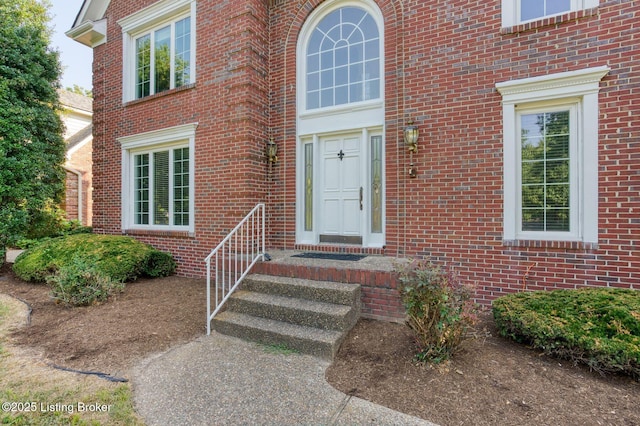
(343, 59)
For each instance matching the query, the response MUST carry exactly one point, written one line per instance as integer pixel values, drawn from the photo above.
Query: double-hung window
(159, 48)
(158, 179)
(547, 160)
(550, 126)
(520, 11)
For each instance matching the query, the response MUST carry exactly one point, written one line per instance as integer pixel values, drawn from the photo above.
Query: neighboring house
(526, 173)
(77, 117)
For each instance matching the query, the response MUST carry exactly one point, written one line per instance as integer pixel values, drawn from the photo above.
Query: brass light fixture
(411, 137)
(272, 151)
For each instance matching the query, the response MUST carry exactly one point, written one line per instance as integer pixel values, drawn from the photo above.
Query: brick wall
(442, 61)
(229, 103)
(81, 160)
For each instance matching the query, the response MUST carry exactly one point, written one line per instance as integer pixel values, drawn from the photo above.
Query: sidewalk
(221, 380)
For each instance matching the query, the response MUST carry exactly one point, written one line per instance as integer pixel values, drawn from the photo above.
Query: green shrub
(79, 283)
(599, 327)
(438, 306)
(120, 258)
(66, 228)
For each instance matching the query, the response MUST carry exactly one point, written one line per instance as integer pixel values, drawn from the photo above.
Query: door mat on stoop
(331, 256)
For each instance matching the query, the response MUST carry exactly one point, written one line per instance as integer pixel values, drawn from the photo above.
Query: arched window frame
(303, 41)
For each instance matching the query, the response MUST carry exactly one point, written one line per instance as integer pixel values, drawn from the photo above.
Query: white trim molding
(511, 11)
(173, 136)
(574, 87)
(146, 20)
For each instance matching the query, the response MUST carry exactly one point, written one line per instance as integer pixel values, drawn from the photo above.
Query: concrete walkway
(221, 380)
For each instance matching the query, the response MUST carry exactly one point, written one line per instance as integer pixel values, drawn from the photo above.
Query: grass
(42, 396)
(279, 349)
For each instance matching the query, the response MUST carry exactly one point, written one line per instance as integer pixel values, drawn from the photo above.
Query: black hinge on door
(361, 195)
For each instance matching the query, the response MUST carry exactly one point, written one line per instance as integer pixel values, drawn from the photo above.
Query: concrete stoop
(311, 317)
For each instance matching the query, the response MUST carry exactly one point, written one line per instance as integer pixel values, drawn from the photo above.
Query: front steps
(311, 317)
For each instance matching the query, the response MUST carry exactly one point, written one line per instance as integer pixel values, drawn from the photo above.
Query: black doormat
(331, 256)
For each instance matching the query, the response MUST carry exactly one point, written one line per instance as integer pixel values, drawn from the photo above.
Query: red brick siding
(81, 160)
(443, 60)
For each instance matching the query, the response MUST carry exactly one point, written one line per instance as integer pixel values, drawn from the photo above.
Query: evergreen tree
(31, 144)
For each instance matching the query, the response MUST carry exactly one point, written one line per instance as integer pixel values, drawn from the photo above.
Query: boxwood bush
(119, 258)
(599, 327)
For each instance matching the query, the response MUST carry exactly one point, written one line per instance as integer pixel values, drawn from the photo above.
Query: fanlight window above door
(343, 59)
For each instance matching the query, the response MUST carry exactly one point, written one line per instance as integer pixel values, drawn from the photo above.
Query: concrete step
(308, 340)
(309, 316)
(327, 316)
(321, 291)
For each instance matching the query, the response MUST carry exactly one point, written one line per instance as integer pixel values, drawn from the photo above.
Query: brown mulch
(492, 381)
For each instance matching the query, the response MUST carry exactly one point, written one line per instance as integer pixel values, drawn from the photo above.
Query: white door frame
(312, 236)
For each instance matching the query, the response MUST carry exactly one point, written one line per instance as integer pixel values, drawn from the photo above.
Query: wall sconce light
(411, 136)
(272, 151)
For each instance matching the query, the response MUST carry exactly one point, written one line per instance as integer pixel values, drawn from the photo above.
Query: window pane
(342, 95)
(545, 183)
(352, 15)
(558, 196)
(342, 56)
(532, 196)
(326, 98)
(532, 172)
(355, 92)
(533, 220)
(372, 89)
(532, 9)
(183, 52)
(557, 220)
(342, 76)
(313, 100)
(313, 62)
(356, 53)
(342, 40)
(181, 187)
(141, 189)
(143, 66)
(376, 184)
(308, 187)
(161, 188)
(557, 171)
(372, 69)
(557, 6)
(162, 60)
(532, 148)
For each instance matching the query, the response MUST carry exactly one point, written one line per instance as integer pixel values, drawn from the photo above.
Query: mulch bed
(491, 381)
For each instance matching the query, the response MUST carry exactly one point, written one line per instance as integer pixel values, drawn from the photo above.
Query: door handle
(361, 195)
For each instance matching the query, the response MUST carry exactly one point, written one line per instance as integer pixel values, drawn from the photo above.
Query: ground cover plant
(86, 268)
(599, 327)
(439, 308)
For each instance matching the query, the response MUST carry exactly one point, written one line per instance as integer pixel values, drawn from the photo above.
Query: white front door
(341, 199)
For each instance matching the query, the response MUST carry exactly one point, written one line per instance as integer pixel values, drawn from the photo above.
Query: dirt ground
(492, 381)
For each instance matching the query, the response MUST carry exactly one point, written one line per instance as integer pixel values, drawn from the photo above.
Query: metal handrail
(234, 259)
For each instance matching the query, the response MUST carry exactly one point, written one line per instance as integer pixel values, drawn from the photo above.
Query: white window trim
(148, 19)
(178, 136)
(511, 11)
(583, 86)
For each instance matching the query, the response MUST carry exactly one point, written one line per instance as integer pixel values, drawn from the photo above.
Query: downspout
(79, 175)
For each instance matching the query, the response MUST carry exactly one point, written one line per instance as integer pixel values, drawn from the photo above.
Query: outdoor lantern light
(411, 136)
(272, 151)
